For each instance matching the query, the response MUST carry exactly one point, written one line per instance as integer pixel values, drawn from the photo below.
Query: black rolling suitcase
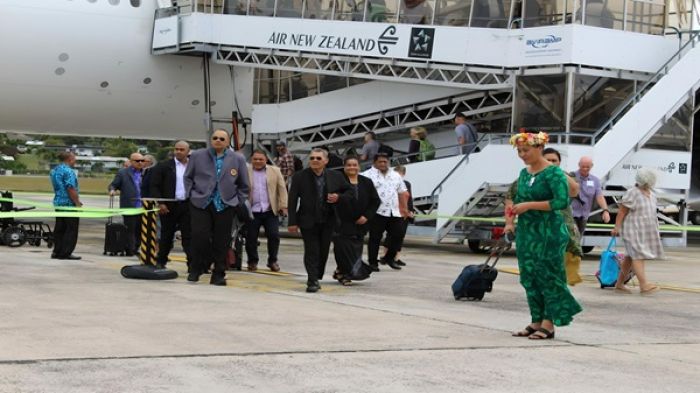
(115, 235)
(476, 280)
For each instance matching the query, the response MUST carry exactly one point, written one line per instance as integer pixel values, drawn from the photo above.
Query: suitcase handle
(502, 245)
(111, 206)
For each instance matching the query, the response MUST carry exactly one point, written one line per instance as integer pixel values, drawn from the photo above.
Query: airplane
(84, 67)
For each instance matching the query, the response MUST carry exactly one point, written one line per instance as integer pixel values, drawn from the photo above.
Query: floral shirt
(215, 197)
(62, 178)
(388, 186)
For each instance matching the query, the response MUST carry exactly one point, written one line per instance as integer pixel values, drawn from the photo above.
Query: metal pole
(569, 110)
(471, 13)
(583, 12)
(624, 16)
(207, 96)
(364, 12)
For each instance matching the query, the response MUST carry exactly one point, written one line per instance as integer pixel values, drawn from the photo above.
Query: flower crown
(528, 138)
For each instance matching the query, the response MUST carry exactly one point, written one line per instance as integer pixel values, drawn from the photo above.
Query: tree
(14, 166)
(119, 147)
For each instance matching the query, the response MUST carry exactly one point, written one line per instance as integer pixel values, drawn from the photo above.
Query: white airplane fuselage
(84, 67)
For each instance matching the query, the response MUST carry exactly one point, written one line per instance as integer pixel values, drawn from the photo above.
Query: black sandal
(547, 334)
(527, 332)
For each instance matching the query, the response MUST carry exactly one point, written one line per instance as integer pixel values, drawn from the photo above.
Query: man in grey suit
(216, 182)
(128, 183)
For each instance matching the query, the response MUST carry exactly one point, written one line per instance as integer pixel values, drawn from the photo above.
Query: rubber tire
(476, 247)
(695, 218)
(13, 237)
(145, 272)
(587, 249)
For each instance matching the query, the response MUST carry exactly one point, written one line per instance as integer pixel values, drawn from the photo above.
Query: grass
(88, 185)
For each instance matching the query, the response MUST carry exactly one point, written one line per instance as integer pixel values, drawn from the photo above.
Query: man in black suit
(312, 195)
(167, 182)
(128, 183)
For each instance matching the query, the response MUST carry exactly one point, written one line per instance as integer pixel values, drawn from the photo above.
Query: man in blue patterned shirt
(65, 187)
(216, 183)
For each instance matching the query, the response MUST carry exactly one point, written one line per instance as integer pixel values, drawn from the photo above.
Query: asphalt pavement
(78, 326)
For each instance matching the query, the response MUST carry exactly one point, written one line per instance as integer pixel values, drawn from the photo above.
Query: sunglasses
(315, 158)
(218, 138)
(138, 160)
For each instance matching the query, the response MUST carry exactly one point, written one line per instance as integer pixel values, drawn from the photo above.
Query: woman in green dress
(541, 238)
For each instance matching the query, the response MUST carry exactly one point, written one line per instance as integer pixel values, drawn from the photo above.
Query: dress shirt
(180, 168)
(137, 175)
(388, 186)
(261, 200)
(589, 191)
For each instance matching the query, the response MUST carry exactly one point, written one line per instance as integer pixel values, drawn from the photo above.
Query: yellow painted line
(183, 259)
(178, 258)
(668, 287)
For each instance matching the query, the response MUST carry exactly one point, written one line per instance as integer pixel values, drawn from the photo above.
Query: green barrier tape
(51, 206)
(128, 211)
(460, 218)
(74, 214)
(591, 225)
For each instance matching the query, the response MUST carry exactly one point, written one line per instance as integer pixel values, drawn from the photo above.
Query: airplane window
(114, 2)
(135, 3)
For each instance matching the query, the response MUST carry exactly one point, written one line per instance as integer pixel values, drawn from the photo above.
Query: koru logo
(388, 37)
(421, 44)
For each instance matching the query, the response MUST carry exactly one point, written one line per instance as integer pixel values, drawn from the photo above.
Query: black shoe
(382, 260)
(54, 256)
(193, 277)
(374, 267)
(71, 257)
(221, 282)
(312, 286)
(393, 265)
(400, 262)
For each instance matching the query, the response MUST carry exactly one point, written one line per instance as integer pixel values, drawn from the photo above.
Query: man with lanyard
(66, 190)
(391, 213)
(168, 186)
(128, 183)
(312, 198)
(216, 183)
(590, 190)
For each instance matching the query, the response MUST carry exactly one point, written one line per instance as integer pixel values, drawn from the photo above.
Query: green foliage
(14, 166)
(119, 147)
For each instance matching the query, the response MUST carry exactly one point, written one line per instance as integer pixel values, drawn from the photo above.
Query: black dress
(347, 240)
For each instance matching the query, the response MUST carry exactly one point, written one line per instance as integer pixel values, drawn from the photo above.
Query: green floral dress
(574, 244)
(541, 238)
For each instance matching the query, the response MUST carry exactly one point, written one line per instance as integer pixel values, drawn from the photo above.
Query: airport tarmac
(78, 326)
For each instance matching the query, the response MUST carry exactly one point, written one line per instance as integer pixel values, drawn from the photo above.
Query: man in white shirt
(391, 213)
(167, 183)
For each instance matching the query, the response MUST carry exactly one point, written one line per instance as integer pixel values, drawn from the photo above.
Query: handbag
(609, 267)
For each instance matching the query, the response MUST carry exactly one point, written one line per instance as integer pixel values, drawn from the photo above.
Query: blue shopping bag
(609, 266)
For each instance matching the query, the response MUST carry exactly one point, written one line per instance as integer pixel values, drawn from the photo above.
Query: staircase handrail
(454, 169)
(629, 102)
(490, 137)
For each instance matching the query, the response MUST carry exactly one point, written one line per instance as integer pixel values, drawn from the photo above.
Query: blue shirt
(137, 181)
(62, 178)
(215, 197)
